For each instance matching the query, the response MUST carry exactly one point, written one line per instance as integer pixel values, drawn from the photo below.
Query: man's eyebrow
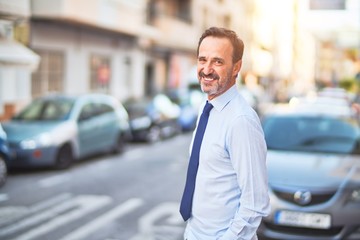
(212, 59)
(218, 59)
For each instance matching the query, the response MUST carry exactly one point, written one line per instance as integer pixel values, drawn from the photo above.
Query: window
(180, 9)
(87, 112)
(151, 11)
(127, 72)
(184, 10)
(91, 110)
(311, 134)
(49, 77)
(100, 73)
(102, 108)
(42, 109)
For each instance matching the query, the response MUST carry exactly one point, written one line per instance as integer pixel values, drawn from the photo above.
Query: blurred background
(131, 49)
(301, 56)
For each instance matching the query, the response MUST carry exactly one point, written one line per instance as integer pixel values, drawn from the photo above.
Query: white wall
(14, 87)
(78, 45)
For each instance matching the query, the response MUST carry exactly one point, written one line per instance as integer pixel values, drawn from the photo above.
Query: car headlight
(43, 140)
(355, 195)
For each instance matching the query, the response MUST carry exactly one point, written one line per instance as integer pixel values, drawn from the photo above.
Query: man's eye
(218, 62)
(201, 60)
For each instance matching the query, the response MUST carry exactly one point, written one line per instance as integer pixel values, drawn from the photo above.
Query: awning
(13, 53)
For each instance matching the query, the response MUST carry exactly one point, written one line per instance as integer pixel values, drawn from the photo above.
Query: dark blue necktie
(186, 201)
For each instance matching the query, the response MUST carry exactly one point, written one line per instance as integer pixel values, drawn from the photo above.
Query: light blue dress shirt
(231, 191)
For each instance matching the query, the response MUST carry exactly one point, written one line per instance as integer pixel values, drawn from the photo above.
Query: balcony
(14, 9)
(119, 16)
(176, 34)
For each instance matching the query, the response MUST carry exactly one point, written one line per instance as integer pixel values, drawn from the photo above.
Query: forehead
(215, 47)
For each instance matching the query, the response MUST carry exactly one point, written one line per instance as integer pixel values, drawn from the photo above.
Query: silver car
(314, 176)
(57, 130)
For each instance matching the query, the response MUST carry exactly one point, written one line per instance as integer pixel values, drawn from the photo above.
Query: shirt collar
(221, 101)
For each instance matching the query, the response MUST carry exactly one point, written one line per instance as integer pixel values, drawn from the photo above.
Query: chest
(215, 147)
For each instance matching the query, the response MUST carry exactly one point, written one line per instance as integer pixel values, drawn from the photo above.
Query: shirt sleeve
(247, 150)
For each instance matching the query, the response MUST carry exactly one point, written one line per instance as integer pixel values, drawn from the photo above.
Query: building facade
(127, 49)
(17, 60)
(131, 49)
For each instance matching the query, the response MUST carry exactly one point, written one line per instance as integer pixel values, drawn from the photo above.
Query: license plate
(301, 219)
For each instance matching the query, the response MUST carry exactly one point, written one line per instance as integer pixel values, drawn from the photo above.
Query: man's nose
(207, 68)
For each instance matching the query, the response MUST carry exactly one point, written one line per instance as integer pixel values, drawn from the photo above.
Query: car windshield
(46, 109)
(310, 134)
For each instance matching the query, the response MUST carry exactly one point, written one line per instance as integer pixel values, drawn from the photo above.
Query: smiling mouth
(209, 77)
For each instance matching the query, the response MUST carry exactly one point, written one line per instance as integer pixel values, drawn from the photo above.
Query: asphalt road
(131, 196)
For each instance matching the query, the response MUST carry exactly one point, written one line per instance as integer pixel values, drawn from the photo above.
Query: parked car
(153, 119)
(334, 92)
(189, 101)
(57, 130)
(314, 175)
(4, 156)
(326, 105)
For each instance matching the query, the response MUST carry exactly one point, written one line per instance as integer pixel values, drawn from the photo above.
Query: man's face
(216, 71)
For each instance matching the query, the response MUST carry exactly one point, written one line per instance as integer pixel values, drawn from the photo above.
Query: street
(131, 196)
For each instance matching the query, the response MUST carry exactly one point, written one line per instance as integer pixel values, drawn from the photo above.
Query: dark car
(56, 130)
(4, 156)
(153, 119)
(313, 165)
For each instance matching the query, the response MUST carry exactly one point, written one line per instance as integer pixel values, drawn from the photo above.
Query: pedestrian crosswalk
(117, 212)
(41, 219)
(15, 218)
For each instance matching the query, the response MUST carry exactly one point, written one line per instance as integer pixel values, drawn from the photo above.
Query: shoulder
(243, 117)
(240, 108)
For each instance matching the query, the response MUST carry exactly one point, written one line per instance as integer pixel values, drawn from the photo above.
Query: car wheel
(64, 157)
(154, 134)
(119, 146)
(3, 171)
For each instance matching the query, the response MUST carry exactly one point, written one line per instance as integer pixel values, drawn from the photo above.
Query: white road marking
(106, 218)
(50, 202)
(9, 214)
(82, 205)
(168, 210)
(53, 180)
(34, 220)
(147, 223)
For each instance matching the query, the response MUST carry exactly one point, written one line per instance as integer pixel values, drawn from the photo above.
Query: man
(230, 194)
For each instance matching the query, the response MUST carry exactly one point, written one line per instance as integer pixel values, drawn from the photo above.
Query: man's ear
(237, 67)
